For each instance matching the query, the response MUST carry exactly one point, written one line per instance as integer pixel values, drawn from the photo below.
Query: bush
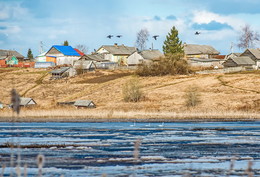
(192, 97)
(169, 65)
(132, 90)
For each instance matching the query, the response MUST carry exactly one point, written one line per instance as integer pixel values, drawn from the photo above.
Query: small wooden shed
(27, 102)
(84, 104)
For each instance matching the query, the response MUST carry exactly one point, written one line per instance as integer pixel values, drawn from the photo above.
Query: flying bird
(197, 33)
(109, 36)
(155, 37)
(119, 36)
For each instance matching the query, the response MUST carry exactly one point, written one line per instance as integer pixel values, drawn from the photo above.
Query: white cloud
(201, 17)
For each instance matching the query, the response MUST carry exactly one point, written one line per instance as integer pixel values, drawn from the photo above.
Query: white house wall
(134, 59)
(69, 60)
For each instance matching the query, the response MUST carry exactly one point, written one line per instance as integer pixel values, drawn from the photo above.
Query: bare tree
(82, 48)
(142, 38)
(248, 37)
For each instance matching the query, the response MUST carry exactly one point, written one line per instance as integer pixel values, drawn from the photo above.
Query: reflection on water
(169, 149)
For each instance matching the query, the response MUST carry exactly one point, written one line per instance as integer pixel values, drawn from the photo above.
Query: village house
(116, 53)
(6, 53)
(143, 57)
(10, 58)
(241, 61)
(254, 54)
(199, 51)
(84, 65)
(61, 55)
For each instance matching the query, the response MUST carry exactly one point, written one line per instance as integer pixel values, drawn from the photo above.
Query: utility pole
(41, 47)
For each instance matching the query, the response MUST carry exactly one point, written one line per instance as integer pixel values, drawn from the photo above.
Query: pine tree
(172, 44)
(66, 43)
(29, 54)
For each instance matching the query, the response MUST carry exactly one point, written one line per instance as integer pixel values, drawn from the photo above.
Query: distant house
(85, 65)
(244, 61)
(63, 54)
(199, 51)
(98, 57)
(214, 63)
(84, 104)
(116, 53)
(254, 54)
(11, 60)
(63, 72)
(143, 56)
(27, 102)
(6, 53)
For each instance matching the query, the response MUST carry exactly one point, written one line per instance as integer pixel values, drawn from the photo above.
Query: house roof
(85, 103)
(119, 49)
(95, 57)
(245, 60)
(5, 53)
(60, 70)
(151, 54)
(84, 64)
(25, 101)
(81, 53)
(66, 50)
(205, 60)
(255, 52)
(193, 49)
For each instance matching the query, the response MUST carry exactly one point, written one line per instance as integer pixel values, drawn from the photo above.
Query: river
(108, 149)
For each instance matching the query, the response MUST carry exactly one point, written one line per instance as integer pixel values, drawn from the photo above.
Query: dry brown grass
(93, 115)
(220, 94)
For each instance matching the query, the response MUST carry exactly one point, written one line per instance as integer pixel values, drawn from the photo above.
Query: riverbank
(93, 115)
(223, 97)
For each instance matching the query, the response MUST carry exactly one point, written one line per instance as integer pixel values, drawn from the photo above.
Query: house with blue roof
(63, 54)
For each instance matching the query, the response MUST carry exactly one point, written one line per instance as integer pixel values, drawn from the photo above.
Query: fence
(224, 70)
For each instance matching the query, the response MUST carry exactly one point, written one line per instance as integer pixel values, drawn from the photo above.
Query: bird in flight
(110, 36)
(119, 36)
(197, 33)
(155, 37)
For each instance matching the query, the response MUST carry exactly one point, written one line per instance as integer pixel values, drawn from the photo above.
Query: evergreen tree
(172, 44)
(66, 43)
(29, 54)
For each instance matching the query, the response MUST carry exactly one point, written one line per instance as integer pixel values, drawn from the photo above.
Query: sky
(26, 23)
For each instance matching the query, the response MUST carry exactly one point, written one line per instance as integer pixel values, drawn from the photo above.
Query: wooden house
(11, 60)
(254, 54)
(62, 55)
(143, 56)
(8, 53)
(84, 104)
(214, 63)
(116, 53)
(85, 65)
(199, 51)
(244, 61)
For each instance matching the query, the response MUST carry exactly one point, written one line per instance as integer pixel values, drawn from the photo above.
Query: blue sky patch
(213, 25)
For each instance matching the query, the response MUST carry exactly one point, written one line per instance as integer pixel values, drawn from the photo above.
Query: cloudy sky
(24, 23)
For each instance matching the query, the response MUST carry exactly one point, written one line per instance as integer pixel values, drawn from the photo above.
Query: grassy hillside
(217, 93)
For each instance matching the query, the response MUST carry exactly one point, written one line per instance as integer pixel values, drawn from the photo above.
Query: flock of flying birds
(119, 36)
(155, 36)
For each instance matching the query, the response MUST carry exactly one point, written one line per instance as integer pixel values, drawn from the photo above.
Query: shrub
(169, 65)
(132, 90)
(192, 97)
